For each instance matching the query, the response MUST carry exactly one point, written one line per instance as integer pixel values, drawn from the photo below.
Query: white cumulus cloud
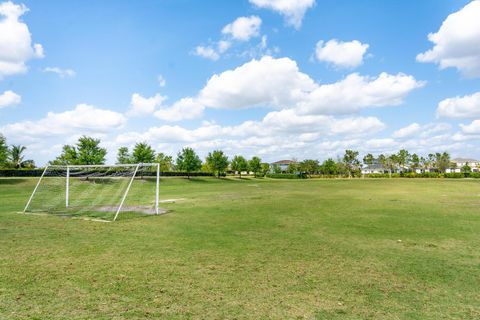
(243, 28)
(62, 73)
(186, 108)
(472, 128)
(356, 92)
(277, 133)
(183, 109)
(16, 46)
(341, 54)
(407, 131)
(9, 98)
(207, 52)
(83, 119)
(460, 107)
(357, 126)
(292, 10)
(278, 83)
(456, 43)
(223, 45)
(140, 105)
(381, 144)
(266, 82)
(416, 131)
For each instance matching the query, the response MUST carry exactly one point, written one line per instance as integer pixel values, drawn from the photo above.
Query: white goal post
(112, 179)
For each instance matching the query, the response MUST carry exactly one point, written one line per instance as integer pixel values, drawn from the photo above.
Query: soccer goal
(103, 192)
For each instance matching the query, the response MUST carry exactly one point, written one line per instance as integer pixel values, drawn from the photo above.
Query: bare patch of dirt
(140, 209)
(171, 200)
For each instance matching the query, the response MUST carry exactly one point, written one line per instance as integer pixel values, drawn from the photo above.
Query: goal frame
(125, 194)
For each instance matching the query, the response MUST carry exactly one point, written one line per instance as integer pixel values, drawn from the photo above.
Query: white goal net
(105, 192)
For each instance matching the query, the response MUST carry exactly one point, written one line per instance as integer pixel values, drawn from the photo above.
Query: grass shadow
(247, 178)
(13, 181)
(97, 180)
(202, 179)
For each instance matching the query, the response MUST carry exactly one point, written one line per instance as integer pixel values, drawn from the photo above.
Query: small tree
(341, 168)
(414, 162)
(425, 163)
(393, 162)
(442, 161)
(206, 168)
(351, 162)
(403, 158)
(217, 161)
(3, 151)
(255, 164)
(124, 156)
(239, 164)
(387, 163)
(143, 153)
(265, 168)
(368, 159)
(166, 162)
(16, 156)
(293, 167)
(68, 156)
(276, 169)
(329, 167)
(86, 152)
(309, 166)
(466, 169)
(90, 152)
(431, 161)
(188, 161)
(29, 164)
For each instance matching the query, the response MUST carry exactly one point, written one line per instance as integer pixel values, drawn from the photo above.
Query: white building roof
(462, 160)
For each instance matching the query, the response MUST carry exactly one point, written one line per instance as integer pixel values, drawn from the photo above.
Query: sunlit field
(251, 248)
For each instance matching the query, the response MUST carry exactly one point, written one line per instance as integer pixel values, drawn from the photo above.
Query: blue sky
(275, 78)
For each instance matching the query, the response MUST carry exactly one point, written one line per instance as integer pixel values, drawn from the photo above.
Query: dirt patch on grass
(139, 209)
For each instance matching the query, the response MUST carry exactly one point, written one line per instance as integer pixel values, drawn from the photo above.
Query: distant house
(282, 165)
(378, 168)
(425, 170)
(459, 163)
(375, 168)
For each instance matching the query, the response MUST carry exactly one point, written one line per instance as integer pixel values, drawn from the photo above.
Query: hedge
(38, 173)
(456, 175)
(286, 176)
(21, 172)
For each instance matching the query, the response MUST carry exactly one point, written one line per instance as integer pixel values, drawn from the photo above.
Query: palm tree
(16, 155)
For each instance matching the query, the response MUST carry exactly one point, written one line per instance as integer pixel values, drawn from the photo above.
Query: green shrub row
(475, 175)
(38, 173)
(286, 176)
(433, 175)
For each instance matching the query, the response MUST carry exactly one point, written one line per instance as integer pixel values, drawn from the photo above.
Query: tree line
(405, 161)
(13, 156)
(350, 164)
(87, 151)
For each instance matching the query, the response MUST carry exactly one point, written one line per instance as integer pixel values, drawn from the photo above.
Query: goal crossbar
(67, 182)
(104, 165)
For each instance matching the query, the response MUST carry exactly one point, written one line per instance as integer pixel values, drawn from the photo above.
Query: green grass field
(255, 248)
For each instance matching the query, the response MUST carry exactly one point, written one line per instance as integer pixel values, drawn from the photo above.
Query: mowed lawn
(252, 249)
